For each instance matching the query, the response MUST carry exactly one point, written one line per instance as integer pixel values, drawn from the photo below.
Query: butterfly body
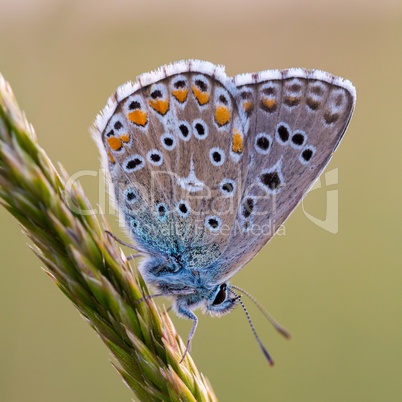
(191, 288)
(203, 164)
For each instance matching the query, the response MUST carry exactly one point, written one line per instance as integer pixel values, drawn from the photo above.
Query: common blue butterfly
(202, 163)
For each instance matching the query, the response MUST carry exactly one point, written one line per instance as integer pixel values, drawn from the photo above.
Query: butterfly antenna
(271, 319)
(264, 351)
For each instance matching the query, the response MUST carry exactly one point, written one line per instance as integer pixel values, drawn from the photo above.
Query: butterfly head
(220, 301)
(217, 301)
(189, 288)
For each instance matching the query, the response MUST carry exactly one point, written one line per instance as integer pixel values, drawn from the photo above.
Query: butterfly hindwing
(296, 119)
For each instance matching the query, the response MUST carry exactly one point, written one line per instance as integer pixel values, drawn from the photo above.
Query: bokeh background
(339, 294)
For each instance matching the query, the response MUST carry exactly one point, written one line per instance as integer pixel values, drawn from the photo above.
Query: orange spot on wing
(237, 142)
(138, 117)
(202, 97)
(292, 100)
(159, 105)
(222, 115)
(125, 137)
(247, 105)
(180, 95)
(270, 104)
(111, 157)
(114, 143)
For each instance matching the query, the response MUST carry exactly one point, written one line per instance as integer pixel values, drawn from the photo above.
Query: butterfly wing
(296, 119)
(173, 146)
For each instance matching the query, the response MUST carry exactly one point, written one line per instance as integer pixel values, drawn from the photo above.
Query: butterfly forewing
(176, 156)
(296, 119)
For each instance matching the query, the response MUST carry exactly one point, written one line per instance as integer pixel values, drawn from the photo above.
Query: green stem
(83, 262)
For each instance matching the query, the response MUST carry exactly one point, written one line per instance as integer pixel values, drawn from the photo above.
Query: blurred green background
(339, 294)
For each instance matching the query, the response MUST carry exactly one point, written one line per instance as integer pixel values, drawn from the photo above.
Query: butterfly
(201, 164)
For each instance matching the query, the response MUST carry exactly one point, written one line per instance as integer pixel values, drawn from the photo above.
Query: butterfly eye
(221, 296)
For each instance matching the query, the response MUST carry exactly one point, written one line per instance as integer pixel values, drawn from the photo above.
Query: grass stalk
(86, 265)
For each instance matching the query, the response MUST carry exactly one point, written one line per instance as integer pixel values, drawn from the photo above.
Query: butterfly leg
(123, 243)
(168, 309)
(133, 256)
(183, 312)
